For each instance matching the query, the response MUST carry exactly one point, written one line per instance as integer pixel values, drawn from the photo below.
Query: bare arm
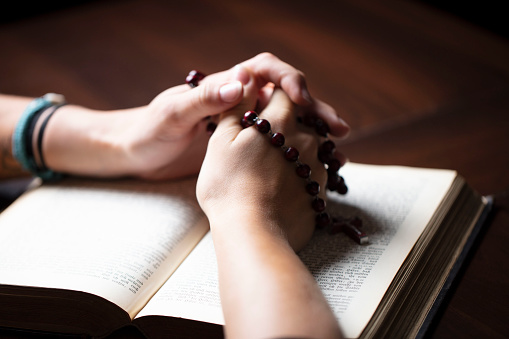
(162, 140)
(266, 291)
(259, 215)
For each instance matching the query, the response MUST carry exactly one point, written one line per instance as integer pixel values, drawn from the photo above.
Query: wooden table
(417, 86)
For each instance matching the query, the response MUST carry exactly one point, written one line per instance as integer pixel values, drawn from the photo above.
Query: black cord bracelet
(43, 167)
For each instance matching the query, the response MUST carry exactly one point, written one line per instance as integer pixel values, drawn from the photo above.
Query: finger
(279, 110)
(264, 96)
(191, 106)
(269, 68)
(338, 127)
(281, 113)
(229, 120)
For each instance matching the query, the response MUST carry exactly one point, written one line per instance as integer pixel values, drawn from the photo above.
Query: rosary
(335, 182)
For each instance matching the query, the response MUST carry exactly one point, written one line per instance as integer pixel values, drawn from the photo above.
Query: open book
(90, 256)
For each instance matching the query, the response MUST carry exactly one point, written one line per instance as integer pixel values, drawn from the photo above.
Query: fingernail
(231, 91)
(306, 95)
(343, 122)
(240, 73)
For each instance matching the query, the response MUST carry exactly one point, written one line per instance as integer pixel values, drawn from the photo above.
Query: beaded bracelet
(22, 143)
(335, 182)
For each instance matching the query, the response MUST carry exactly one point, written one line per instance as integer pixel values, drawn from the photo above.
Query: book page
(192, 292)
(117, 239)
(395, 204)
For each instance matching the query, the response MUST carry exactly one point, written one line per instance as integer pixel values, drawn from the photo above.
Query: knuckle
(206, 96)
(267, 55)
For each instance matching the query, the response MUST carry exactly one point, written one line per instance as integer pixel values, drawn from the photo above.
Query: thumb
(230, 119)
(190, 107)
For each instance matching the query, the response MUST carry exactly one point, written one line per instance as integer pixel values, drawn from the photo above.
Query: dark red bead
(309, 119)
(249, 119)
(291, 154)
(194, 77)
(333, 165)
(244, 124)
(313, 188)
(323, 156)
(263, 126)
(211, 127)
(303, 171)
(278, 139)
(336, 182)
(321, 127)
(318, 204)
(328, 146)
(322, 220)
(342, 189)
(332, 181)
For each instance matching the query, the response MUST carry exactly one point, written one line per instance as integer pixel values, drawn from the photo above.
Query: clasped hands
(242, 173)
(167, 140)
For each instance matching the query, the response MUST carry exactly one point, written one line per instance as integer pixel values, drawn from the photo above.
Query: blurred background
(383, 65)
(375, 62)
(421, 83)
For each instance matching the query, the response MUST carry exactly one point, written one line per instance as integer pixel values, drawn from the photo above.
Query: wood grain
(417, 86)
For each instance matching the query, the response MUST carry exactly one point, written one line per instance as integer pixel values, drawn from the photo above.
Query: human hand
(244, 178)
(169, 140)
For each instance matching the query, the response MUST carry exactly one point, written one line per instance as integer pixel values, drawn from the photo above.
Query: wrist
(86, 142)
(252, 225)
(293, 223)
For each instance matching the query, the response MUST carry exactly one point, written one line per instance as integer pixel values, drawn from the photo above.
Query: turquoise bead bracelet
(21, 138)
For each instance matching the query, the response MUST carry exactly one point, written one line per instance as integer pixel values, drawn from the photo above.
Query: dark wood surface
(418, 87)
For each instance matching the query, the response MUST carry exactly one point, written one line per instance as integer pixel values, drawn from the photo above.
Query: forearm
(76, 140)
(85, 142)
(266, 291)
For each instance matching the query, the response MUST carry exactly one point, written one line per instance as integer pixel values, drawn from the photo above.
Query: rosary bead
(332, 181)
(333, 165)
(291, 154)
(243, 123)
(327, 147)
(318, 204)
(309, 119)
(336, 183)
(211, 127)
(263, 126)
(313, 188)
(342, 189)
(322, 220)
(324, 157)
(303, 171)
(249, 119)
(321, 127)
(278, 139)
(194, 77)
